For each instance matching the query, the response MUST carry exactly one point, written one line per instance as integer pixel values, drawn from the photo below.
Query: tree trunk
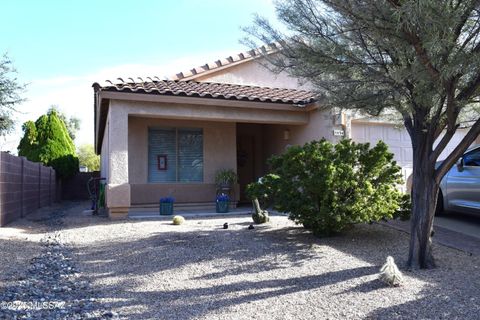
(424, 200)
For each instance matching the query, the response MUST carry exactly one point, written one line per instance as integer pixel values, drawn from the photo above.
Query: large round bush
(329, 187)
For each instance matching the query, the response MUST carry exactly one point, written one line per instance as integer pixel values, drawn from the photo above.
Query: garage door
(398, 142)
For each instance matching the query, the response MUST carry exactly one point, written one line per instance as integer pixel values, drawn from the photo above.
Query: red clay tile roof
(212, 90)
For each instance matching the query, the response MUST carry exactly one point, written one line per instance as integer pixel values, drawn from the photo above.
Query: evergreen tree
(47, 141)
(418, 58)
(72, 123)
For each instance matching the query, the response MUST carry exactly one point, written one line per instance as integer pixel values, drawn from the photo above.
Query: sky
(60, 48)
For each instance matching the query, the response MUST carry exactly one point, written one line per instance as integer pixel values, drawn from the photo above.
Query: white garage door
(397, 139)
(398, 142)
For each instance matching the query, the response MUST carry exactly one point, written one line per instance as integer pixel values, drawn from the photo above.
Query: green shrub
(328, 188)
(177, 220)
(65, 166)
(404, 212)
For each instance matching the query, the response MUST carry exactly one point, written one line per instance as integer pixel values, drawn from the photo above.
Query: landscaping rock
(51, 288)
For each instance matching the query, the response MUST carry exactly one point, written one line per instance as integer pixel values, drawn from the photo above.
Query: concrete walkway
(448, 232)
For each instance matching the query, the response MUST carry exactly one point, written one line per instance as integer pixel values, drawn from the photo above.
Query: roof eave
(102, 99)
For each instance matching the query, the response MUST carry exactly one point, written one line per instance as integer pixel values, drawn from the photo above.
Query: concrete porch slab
(190, 214)
(154, 214)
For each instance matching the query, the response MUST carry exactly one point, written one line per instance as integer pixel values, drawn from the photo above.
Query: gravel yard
(17, 246)
(153, 269)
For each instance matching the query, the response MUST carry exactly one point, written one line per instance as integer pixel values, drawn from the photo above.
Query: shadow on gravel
(153, 255)
(451, 291)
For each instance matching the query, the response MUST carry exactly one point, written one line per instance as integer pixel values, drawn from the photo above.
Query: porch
(242, 147)
(168, 139)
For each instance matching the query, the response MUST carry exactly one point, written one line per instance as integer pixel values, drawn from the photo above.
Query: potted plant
(225, 179)
(166, 206)
(222, 203)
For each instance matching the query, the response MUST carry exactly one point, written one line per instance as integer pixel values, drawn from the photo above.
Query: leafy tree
(9, 95)
(72, 123)
(88, 158)
(420, 59)
(46, 140)
(330, 187)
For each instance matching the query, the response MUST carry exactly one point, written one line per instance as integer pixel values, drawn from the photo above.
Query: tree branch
(443, 143)
(470, 89)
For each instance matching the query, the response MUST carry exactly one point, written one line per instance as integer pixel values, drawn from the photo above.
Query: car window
(472, 159)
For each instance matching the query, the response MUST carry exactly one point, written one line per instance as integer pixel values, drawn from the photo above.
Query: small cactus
(390, 274)
(259, 216)
(177, 220)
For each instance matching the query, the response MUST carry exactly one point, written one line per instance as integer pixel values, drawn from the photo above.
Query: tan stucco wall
(320, 126)
(118, 188)
(320, 123)
(253, 73)
(219, 146)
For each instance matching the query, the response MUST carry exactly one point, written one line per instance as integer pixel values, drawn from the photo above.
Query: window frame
(176, 130)
(474, 151)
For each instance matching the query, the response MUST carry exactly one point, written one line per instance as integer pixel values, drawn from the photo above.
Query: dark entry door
(245, 163)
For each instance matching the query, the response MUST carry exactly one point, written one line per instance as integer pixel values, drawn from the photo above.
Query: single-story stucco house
(161, 138)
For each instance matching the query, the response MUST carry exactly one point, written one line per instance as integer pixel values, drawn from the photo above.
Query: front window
(175, 155)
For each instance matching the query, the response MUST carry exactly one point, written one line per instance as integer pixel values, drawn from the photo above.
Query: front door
(245, 163)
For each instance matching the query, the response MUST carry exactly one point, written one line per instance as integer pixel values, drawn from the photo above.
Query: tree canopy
(72, 123)
(46, 140)
(9, 95)
(420, 59)
(88, 158)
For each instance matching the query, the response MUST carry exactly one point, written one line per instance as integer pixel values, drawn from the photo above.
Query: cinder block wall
(24, 187)
(75, 188)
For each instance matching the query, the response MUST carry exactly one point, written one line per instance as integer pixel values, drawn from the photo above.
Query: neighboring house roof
(214, 90)
(228, 62)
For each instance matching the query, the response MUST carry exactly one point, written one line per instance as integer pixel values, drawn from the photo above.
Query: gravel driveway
(154, 270)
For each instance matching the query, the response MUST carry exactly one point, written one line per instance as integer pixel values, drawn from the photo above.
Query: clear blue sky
(55, 44)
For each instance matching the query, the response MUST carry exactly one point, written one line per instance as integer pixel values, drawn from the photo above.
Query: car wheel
(439, 208)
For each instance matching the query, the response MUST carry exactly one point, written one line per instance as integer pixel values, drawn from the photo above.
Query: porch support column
(118, 187)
